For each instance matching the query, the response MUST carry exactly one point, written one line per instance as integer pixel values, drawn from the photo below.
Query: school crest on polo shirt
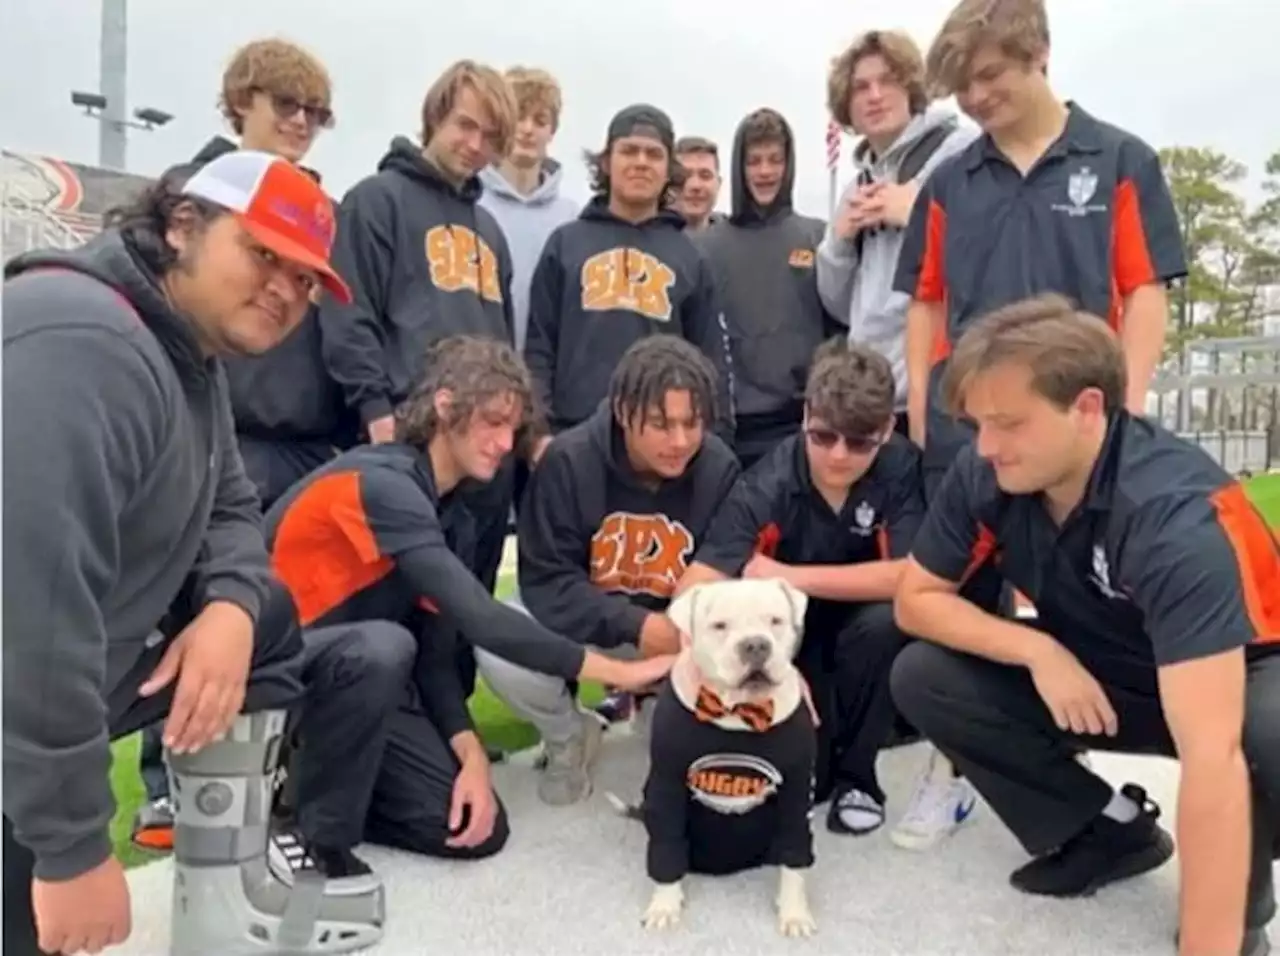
(1082, 187)
(1101, 574)
(864, 520)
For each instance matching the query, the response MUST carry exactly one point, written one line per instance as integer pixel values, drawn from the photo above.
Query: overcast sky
(1192, 72)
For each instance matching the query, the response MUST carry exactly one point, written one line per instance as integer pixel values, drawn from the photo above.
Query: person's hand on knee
(210, 660)
(473, 809)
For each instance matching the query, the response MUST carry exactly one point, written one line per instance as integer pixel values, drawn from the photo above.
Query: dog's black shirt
(719, 801)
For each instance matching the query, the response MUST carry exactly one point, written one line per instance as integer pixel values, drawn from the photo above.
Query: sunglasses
(828, 438)
(287, 107)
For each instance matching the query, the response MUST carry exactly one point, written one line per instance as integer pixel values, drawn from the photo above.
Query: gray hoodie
(856, 286)
(526, 221)
(122, 486)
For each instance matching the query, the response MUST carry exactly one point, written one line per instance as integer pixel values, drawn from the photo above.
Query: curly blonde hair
(272, 66)
(899, 52)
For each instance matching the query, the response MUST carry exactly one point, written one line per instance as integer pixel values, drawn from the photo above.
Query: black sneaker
(1105, 852)
(290, 855)
(1256, 943)
(339, 863)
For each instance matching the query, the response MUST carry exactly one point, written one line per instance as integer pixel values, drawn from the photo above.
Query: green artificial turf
(497, 725)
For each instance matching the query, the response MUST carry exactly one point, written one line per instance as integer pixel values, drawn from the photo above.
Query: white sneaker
(940, 803)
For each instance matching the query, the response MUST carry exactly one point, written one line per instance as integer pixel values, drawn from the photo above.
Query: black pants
(275, 682)
(846, 657)
(990, 721)
(374, 767)
(275, 466)
(755, 436)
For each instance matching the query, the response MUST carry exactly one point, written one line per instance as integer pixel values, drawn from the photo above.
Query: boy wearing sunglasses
(833, 510)
(289, 415)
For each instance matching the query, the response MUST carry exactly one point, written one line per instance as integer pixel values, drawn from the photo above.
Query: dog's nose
(754, 651)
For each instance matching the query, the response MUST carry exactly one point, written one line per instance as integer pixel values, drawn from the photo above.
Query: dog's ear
(797, 599)
(681, 610)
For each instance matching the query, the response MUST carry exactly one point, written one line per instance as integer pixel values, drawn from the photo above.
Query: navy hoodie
(123, 485)
(600, 549)
(603, 284)
(285, 394)
(763, 259)
(424, 262)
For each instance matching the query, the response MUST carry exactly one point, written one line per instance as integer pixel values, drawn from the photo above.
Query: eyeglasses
(828, 438)
(287, 107)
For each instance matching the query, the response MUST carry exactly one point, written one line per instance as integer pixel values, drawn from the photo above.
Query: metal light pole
(110, 105)
(113, 83)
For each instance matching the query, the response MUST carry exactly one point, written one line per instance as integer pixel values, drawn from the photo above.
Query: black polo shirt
(1093, 220)
(1164, 560)
(775, 509)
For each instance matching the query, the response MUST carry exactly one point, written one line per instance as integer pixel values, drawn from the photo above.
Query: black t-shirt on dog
(719, 801)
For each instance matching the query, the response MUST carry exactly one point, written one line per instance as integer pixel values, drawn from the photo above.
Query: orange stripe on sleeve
(931, 286)
(325, 552)
(984, 546)
(1257, 556)
(768, 539)
(1131, 262)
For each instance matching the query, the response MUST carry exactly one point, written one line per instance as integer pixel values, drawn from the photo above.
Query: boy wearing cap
(288, 411)
(143, 593)
(623, 270)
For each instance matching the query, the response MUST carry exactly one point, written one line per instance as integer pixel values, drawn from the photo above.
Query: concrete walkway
(571, 883)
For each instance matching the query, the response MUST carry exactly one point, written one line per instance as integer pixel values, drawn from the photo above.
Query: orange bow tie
(759, 717)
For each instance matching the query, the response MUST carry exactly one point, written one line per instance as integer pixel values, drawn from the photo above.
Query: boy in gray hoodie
(876, 89)
(523, 191)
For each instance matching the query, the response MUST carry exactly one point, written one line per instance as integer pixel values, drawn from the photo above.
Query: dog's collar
(710, 707)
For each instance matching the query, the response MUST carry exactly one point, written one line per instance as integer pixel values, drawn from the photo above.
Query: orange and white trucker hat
(279, 205)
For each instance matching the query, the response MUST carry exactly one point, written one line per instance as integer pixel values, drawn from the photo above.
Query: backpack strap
(921, 151)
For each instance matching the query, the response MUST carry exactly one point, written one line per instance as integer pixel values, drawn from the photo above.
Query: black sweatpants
(275, 682)
(846, 657)
(274, 466)
(755, 436)
(990, 721)
(374, 768)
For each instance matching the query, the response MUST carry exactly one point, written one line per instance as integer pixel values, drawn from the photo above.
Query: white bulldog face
(743, 634)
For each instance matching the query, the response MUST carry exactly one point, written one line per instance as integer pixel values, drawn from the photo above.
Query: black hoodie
(285, 394)
(601, 285)
(423, 262)
(763, 259)
(121, 481)
(600, 549)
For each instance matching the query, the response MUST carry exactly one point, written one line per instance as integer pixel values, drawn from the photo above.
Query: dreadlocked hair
(656, 365)
(474, 370)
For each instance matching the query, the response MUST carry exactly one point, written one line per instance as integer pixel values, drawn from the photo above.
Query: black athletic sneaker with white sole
(1105, 852)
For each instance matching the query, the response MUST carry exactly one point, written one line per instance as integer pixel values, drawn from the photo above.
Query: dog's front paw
(664, 907)
(795, 919)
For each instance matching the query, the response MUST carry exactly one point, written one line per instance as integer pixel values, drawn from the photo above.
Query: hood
(548, 190)
(744, 211)
(921, 124)
(110, 259)
(597, 210)
(405, 157)
(606, 438)
(218, 146)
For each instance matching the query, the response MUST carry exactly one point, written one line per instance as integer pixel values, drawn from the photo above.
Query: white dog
(732, 750)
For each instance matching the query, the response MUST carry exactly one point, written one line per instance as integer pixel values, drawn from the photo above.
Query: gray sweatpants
(541, 699)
